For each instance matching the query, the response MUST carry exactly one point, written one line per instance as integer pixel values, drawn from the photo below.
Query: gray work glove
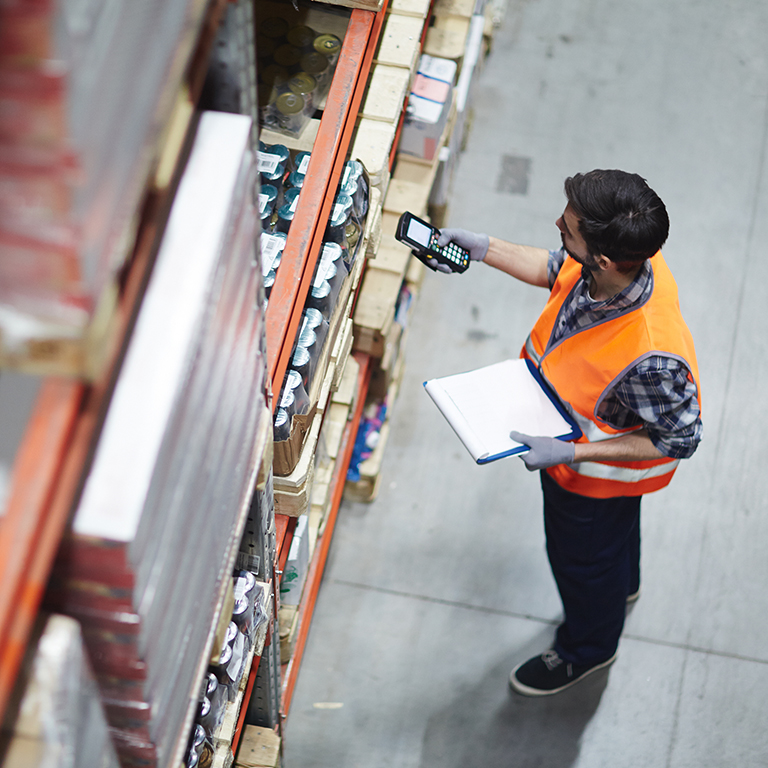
(476, 244)
(545, 451)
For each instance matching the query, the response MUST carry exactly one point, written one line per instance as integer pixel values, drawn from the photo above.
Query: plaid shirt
(656, 392)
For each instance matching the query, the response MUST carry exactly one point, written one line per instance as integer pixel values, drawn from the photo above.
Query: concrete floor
(434, 591)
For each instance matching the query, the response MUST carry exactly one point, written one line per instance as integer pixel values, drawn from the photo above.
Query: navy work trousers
(594, 552)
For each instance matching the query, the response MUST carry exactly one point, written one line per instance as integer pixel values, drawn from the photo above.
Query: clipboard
(484, 405)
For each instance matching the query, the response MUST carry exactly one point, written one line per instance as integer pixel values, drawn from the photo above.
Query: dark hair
(621, 217)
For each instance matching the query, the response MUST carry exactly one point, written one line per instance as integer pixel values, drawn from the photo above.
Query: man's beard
(589, 262)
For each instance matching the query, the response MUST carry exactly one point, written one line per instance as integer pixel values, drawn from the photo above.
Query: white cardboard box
(429, 105)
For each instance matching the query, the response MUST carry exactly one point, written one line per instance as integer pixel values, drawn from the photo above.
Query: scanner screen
(419, 233)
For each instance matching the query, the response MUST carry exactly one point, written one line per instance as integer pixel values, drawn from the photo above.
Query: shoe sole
(526, 690)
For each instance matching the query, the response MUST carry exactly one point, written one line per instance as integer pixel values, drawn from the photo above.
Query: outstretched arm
(524, 262)
(521, 261)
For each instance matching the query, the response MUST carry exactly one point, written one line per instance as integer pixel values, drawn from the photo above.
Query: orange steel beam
(317, 566)
(29, 535)
(49, 468)
(293, 279)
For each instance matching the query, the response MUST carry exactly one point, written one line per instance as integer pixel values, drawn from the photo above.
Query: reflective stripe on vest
(583, 367)
(623, 474)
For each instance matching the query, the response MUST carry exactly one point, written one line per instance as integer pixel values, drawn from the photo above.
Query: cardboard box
(429, 106)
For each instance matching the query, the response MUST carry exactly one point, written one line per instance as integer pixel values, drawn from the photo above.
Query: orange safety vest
(583, 367)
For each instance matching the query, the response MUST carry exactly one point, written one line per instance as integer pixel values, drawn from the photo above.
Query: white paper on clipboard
(484, 405)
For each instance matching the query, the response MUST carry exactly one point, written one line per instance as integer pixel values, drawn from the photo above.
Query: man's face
(573, 242)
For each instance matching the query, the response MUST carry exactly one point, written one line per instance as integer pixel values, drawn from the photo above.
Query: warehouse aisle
(433, 592)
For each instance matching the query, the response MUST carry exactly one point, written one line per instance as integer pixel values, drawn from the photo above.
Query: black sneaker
(547, 674)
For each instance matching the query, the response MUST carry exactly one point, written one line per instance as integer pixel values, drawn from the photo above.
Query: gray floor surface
(434, 591)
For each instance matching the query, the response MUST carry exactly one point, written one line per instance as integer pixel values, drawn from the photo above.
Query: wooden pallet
(387, 91)
(84, 353)
(55, 350)
(408, 189)
(372, 146)
(461, 8)
(363, 5)
(260, 748)
(288, 621)
(293, 491)
(447, 37)
(367, 487)
(390, 364)
(394, 68)
(400, 43)
(417, 8)
(341, 407)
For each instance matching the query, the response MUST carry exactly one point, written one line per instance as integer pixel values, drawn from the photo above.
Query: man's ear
(604, 262)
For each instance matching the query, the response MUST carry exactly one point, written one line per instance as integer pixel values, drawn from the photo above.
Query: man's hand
(438, 267)
(477, 245)
(545, 451)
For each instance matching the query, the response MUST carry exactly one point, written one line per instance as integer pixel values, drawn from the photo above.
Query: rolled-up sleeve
(659, 393)
(554, 262)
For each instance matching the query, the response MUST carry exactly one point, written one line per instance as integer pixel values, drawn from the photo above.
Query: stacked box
(85, 88)
(429, 106)
(160, 518)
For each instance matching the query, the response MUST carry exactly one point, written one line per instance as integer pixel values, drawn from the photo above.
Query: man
(612, 343)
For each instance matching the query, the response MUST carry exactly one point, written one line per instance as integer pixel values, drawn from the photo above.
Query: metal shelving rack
(55, 452)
